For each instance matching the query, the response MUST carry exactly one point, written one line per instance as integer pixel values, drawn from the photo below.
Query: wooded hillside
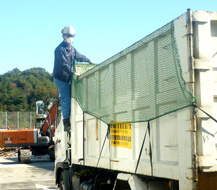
(19, 91)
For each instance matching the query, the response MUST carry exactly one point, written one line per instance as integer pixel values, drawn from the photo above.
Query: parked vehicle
(37, 141)
(146, 117)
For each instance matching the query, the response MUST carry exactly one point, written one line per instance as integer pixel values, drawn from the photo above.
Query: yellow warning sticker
(121, 134)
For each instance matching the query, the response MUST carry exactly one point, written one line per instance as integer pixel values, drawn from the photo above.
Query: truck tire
(52, 155)
(64, 183)
(19, 156)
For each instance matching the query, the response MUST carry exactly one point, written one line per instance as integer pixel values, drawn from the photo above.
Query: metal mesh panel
(12, 120)
(82, 68)
(139, 84)
(17, 120)
(2, 120)
(26, 120)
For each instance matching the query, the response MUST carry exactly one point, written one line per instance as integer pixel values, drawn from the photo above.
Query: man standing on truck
(64, 69)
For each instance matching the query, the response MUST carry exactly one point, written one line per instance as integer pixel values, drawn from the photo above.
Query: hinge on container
(200, 17)
(80, 159)
(193, 131)
(202, 64)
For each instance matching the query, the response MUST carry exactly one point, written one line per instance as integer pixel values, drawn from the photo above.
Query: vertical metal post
(30, 119)
(192, 90)
(17, 120)
(83, 140)
(6, 120)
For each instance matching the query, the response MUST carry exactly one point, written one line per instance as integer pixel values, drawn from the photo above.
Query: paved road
(39, 174)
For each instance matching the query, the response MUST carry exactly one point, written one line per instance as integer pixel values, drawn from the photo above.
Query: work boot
(67, 125)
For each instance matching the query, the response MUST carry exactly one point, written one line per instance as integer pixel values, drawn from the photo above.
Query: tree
(19, 91)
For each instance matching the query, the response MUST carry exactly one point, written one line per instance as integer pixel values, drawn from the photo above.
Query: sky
(30, 30)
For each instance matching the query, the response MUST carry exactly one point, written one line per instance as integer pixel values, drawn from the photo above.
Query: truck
(37, 141)
(145, 119)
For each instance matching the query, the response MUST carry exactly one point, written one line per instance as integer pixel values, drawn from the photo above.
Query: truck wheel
(64, 180)
(52, 155)
(19, 156)
(62, 184)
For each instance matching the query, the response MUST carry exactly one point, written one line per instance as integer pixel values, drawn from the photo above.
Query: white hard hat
(68, 30)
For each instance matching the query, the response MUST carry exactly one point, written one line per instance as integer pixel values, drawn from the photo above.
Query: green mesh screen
(141, 83)
(83, 67)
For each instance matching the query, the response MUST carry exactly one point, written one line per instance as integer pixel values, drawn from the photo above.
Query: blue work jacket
(64, 63)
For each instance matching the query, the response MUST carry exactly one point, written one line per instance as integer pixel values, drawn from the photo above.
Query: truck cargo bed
(180, 144)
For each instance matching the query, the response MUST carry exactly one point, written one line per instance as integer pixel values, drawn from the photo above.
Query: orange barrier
(18, 137)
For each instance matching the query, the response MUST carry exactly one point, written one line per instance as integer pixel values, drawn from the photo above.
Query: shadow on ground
(39, 162)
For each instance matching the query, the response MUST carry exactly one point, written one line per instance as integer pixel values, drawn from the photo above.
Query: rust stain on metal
(114, 160)
(189, 178)
(97, 128)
